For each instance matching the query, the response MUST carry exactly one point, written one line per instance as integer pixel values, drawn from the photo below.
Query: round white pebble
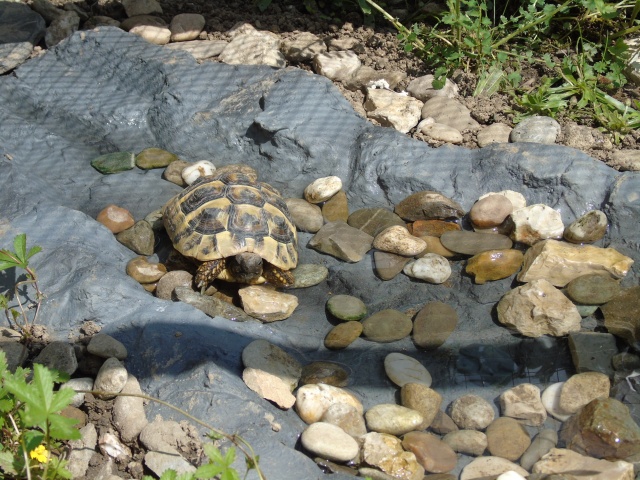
(551, 400)
(431, 268)
(329, 441)
(402, 369)
(322, 189)
(199, 169)
(510, 475)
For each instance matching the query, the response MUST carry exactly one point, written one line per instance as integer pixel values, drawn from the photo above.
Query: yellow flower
(40, 453)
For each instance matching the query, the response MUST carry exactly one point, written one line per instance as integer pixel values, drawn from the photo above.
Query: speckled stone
(592, 289)
(589, 228)
(471, 412)
(336, 208)
(472, 243)
(347, 417)
(507, 438)
(428, 205)
(173, 172)
(524, 404)
(346, 307)
(434, 245)
(468, 442)
(388, 265)
(397, 239)
(433, 325)
(489, 467)
(392, 419)
(154, 158)
(373, 220)
(582, 388)
(387, 326)
(139, 238)
(423, 399)
(494, 265)
(113, 162)
(343, 335)
(329, 373)
(322, 189)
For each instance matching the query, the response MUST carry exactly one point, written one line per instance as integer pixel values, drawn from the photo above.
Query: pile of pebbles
(564, 278)
(435, 116)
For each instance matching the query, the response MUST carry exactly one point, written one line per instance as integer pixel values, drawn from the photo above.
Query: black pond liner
(105, 91)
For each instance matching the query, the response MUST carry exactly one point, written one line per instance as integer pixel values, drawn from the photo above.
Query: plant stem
(24, 447)
(237, 440)
(399, 26)
(526, 27)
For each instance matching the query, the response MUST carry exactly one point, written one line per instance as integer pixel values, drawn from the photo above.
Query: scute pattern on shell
(221, 215)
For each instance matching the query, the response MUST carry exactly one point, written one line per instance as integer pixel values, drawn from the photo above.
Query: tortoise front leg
(208, 272)
(277, 276)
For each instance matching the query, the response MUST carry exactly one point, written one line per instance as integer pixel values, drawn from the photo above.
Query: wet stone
(387, 326)
(139, 238)
(309, 274)
(622, 315)
(494, 265)
(431, 452)
(623, 361)
(433, 325)
(603, 429)
(114, 162)
(336, 208)
(537, 309)
(385, 452)
(562, 463)
(267, 305)
(430, 267)
(432, 228)
(346, 307)
(589, 228)
(329, 373)
(313, 400)
(343, 335)
(472, 243)
(582, 388)
(428, 205)
(143, 271)
(524, 404)
(540, 446)
(402, 369)
(434, 245)
(592, 289)
(373, 220)
(342, 241)
(388, 265)
(398, 240)
(154, 158)
(536, 129)
(593, 352)
(471, 412)
(468, 442)
(263, 355)
(486, 363)
(306, 216)
(490, 211)
(516, 198)
(442, 424)
(561, 262)
(116, 219)
(507, 438)
(422, 399)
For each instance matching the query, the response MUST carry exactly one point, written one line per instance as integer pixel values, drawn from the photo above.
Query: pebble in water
(329, 373)
(388, 265)
(494, 265)
(524, 404)
(431, 452)
(387, 326)
(432, 228)
(402, 369)
(329, 441)
(516, 198)
(471, 412)
(422, 399)
(540, 446)
(467, 442)
(482, 467)
(346, 307)
(433, 324)
(313, 400)
(385, 452)
(472, 243)
(551, 400)
(392, 419)
(581, 388)
(564, 462)
(592, 289)
(622, 315)
(507, 438)
(343, 335)
(347, 417)
(490, 211)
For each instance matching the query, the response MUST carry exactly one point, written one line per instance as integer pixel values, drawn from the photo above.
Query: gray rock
(20, 29)
(212, 306)
(61, 27)
(105, 346)
(58, 356)
(111, 378)
(82, 450)
(128, 412)
(139, 238)
(81, 383)
(200, 49)
(536, 129)
(342, 241)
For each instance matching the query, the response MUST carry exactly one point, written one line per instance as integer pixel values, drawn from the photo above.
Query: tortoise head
(245, 267)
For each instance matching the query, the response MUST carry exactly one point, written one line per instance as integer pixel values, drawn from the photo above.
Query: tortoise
(239, 228)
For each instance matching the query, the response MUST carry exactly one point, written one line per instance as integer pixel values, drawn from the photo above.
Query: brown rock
(582, 388)
(115, 218)
(589, 228)
(490, 211)
(563, 464)
(506, 438)
(173, 172)
(336, 208)
(560, 262)
(443, 424)
(423, 400)
(622, 315)
(342, 241)
(432, 228)
(603, 428)
(329, 373)
(431, 452)
(267, 305)
(388, 265)
(168, 283)
(343, 335)
(592, 289)
(141, 270)
(472, 243)
(428, 205)
(373, 220)
(433, 325)
(494, 265)
(306, 216)
(434, 245)
(387, 326)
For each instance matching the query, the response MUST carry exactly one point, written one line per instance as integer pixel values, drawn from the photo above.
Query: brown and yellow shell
(221, 215)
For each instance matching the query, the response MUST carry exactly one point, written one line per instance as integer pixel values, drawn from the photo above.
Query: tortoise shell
(221, 215)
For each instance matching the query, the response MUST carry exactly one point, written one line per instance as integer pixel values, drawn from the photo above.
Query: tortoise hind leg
(208, 272)
(277, 276)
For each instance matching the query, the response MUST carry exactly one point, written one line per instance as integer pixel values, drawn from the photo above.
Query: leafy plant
(31, 427)
(19, 258)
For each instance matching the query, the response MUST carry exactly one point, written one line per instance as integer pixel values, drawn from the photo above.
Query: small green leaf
(33, 250)
(20, 246)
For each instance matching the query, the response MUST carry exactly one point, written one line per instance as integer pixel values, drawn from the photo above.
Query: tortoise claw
(208, 272)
